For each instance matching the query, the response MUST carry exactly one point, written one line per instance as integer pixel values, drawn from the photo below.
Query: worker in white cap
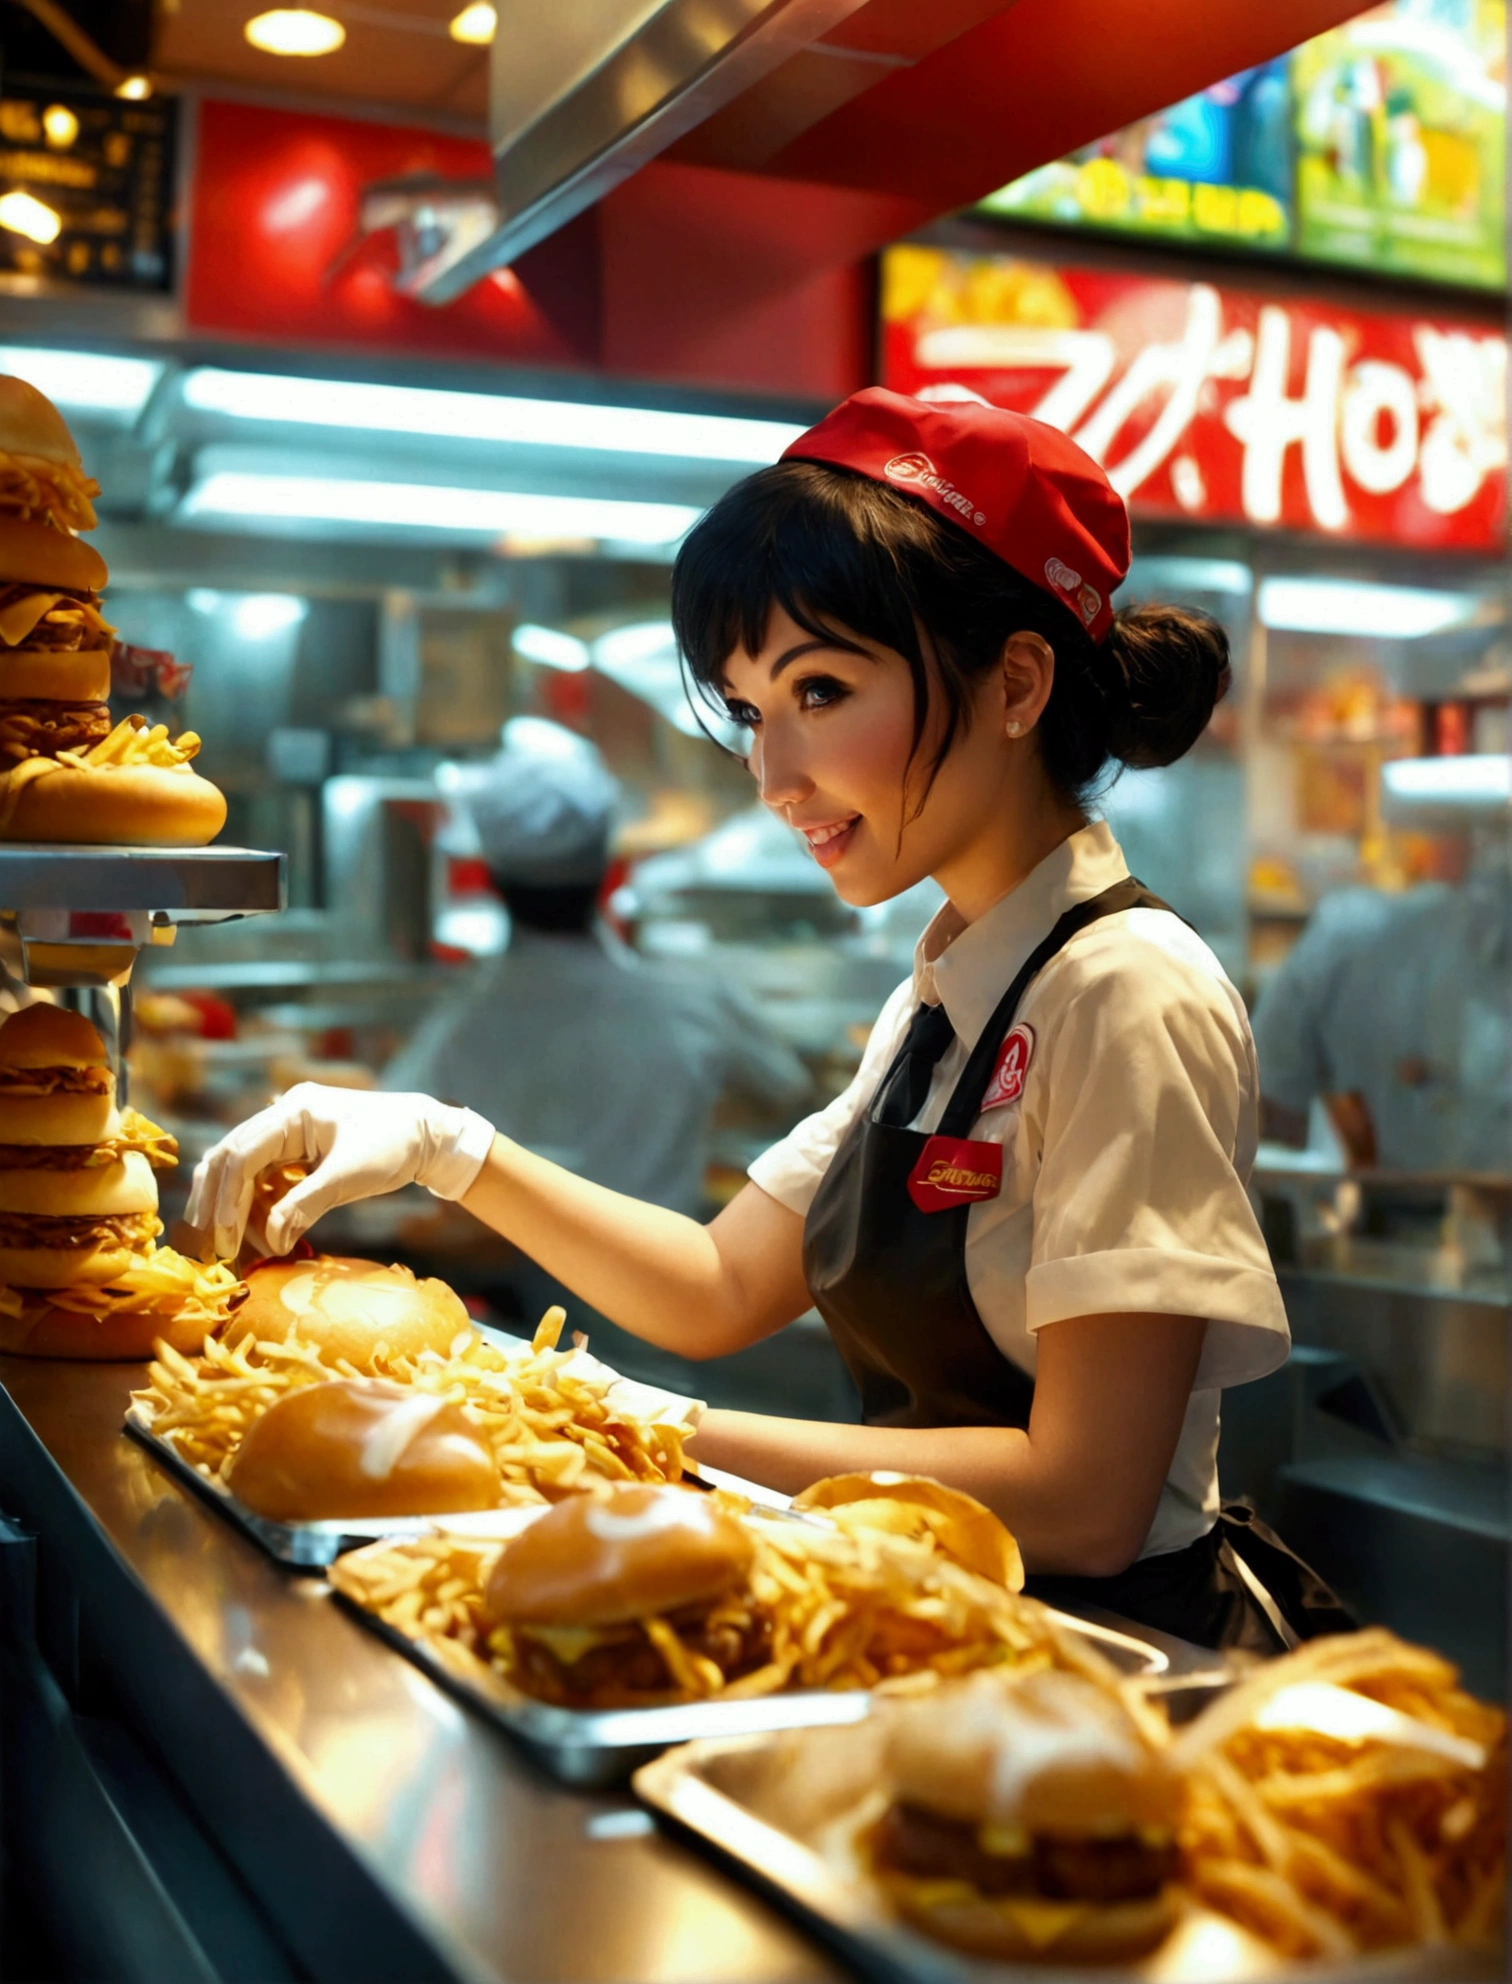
(569, 1040)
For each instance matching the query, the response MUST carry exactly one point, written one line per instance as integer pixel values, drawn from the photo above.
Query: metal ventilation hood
(930, 103)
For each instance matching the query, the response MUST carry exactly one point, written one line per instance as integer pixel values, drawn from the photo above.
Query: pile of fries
(553, 1425)
(840, 1611)
(1349, 1797)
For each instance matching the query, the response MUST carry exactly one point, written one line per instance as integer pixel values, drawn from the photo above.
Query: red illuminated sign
(1218, 404)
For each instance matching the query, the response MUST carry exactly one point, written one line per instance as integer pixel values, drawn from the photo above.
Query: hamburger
(352, 1312)
(1029, 1819)
(67, 774)
(923, 1510)
(581, 1601)
(79, 1205)
(361, 1447)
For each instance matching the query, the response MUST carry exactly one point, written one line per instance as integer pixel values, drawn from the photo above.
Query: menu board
(1380, 143)
(104, 168)
(1400, 123)
(1214, 167)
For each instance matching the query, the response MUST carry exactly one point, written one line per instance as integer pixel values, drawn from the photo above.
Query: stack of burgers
(67, 773)
(81, 1274)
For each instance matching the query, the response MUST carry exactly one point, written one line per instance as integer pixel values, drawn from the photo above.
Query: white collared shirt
(1126, 1154)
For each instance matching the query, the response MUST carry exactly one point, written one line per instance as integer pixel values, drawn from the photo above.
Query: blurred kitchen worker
(569, 1040)
(1393, 1011)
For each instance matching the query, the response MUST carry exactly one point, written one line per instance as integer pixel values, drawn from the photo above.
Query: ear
(1027, 666)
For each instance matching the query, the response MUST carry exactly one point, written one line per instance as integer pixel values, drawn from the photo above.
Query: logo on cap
(1062, 575)
(1089, 602)
(920, 469)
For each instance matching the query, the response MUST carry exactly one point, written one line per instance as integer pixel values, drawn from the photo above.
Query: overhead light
(551, 648)
(493, 417)
(1220, 575)
(426, 506)
(475, 25)
(135, 89)
(1347, 606)
(1484, 779)
(623, 646)
(294, 31)
(86, 381)
(24, 215)
(59, 126)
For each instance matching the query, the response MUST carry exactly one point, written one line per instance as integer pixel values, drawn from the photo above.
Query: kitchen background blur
(375, 508)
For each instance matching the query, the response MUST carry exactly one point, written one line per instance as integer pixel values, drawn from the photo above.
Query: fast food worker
(1025, 1222)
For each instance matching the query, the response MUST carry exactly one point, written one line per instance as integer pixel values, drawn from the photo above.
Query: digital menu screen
(1380, 143)
(86, 188)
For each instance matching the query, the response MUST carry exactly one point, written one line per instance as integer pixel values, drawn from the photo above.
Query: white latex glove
(359, 1144)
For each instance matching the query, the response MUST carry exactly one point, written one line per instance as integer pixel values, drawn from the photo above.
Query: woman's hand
(359, 1144)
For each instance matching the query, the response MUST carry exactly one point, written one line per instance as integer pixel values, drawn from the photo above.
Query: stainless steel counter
(376, 1829)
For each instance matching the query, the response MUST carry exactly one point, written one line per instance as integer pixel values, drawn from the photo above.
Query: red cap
(1020, 487)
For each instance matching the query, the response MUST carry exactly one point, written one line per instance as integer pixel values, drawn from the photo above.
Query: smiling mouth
(828, 844)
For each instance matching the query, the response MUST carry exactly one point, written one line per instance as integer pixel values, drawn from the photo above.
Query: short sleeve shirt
(1126, 1152)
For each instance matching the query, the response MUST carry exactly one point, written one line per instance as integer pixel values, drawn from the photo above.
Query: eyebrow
(831, 644)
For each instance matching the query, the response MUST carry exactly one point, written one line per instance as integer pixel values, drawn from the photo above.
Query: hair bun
(1165, 670)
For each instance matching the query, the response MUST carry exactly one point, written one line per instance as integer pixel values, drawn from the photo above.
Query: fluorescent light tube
(1348, 606)
(90, 382)
(424, 506)
(485, 417)
(1484, 779)
(550, 647)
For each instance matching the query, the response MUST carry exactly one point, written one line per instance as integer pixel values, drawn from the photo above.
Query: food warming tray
(595, 1747)
(787, 1836)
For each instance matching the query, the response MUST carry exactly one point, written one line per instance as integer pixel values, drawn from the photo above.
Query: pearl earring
(1014, 728)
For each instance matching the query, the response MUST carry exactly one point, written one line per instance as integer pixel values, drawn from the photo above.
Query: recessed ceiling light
(294, 31)
(475, 24)
(134, 88)
(23, 215)
(59, 126)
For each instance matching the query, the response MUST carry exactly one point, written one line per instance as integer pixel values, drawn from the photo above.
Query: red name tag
(953, 1171)
(1007, 1083)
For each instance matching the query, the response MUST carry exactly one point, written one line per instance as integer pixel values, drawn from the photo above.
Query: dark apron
(889, 1279)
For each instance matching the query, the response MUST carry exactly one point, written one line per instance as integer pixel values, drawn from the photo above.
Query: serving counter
(208, 1771)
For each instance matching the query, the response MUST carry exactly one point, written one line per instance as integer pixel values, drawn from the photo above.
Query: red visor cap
(1021, 488)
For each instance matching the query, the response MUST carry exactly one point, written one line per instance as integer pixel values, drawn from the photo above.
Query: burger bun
(1024, 1929)
(362, 1447)
(40, 555)
(31, 425)
(45, 1036)
(56, 675)
(916, 1506)
(604, 1560)
(96, 1191)
(120, 1336)
(357, 1312)
(114, 806)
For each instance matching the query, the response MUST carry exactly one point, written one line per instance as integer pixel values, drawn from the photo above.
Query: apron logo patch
(954, 1171)
(1007, 1083)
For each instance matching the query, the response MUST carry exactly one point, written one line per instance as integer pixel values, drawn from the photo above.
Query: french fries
(1349, 1797)
(839, 1611)
(553, 1428)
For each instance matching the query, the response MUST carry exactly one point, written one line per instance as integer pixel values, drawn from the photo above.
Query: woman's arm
(699, 1290)
(1078, 1489)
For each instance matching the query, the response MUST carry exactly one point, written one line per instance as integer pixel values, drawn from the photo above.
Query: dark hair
(833, 548)
(565, 910)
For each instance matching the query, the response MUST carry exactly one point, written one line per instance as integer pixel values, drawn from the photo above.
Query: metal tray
(310, 1546)
(737, 1796)
(596, 1747)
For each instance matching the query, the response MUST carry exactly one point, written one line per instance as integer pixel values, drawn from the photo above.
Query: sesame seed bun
(357, 1311)
(603, 1560)
(37, 554)
(362, 1447)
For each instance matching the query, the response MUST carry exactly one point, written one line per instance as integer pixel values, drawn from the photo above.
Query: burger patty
(32, 726)
(55, 1157)
(93, 1080)
(910, 1840)
(132, 1230)
(62, 628)
(628, 1663)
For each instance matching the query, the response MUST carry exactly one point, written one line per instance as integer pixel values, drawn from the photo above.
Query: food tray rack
(726, 1796)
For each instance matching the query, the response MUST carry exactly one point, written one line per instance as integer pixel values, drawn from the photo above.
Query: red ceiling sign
(288, 239)
(1217, 404)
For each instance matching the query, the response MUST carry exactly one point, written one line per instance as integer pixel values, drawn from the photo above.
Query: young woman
(1025, 1222)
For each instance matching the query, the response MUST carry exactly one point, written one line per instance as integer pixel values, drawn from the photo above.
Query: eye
(745, 714)
(819, 692)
